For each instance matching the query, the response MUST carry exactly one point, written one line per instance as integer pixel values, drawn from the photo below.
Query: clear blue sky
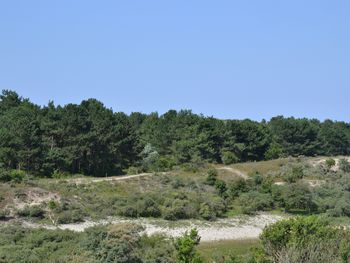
(229, 59)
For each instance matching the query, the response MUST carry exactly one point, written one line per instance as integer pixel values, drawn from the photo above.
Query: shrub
(292, 172)
(179, 209)
(206, 212)
(116, 243)
(34, 211)
(157, 249)
(304, 239)
(190, 167)
(237, 187)
(298, 197)
(163, 164)
(70, 216)
(3, 214)
(148, 208)
(255, 201)
(17, 176)
(221, 187)
(186, 247)
(133, 170)
(5, 176)
(330, 163)
(177, 183)
(59, 175)
(229, 158)
(341, 208)
(344, 165)
(212, 175)
(128, 211)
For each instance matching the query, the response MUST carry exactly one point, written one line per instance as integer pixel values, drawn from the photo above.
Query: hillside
(223, 202)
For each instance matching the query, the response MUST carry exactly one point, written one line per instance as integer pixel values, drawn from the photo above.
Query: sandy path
(234, 171)
(109, 178)
(238, 228)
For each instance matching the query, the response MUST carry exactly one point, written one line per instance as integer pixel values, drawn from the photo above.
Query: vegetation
(46, 151)
(90, 139)
(113, 243)
(309, 239)
(298, 187)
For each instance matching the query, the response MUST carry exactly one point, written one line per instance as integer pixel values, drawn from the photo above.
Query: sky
(228, 59)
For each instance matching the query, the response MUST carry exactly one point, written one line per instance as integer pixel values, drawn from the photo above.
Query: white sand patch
(234, 171)
(237, 228)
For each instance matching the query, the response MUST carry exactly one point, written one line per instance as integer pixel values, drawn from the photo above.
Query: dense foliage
(308, 240)
(122, 243)
(91, 139)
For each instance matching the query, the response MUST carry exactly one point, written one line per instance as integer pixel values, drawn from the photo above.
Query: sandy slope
(246, 227)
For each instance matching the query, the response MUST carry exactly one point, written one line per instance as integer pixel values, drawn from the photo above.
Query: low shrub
(34, 211)
(4, 214)
(305, 239)
(212, 175)
(59, 174)
(344, 165)
(330, 163)
(133, 170)
(229, 158)
(255, 201)
(292, 172)
(15, 176)
(70, 216)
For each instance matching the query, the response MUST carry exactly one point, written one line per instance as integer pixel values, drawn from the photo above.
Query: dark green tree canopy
(92, 139)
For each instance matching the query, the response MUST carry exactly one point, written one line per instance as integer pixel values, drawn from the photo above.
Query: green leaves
(186, 247)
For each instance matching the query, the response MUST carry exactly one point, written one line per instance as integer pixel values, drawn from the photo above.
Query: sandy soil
(234, 171)
(34, 196)
(237, 228)
(109, 178)
(322, 161)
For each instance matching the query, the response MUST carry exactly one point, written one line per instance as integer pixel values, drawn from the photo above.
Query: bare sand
(237, 228)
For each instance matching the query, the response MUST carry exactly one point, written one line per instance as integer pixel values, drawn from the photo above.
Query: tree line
(91, 139)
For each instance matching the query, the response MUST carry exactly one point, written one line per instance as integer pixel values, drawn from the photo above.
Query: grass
(215, 251)
(262, 167)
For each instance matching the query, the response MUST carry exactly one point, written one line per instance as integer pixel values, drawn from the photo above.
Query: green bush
(237, 187)
(128, 211)
(298, 196)
(221, 187)
(148, 208)
(190, 167)
(5, 176)
(255, 201)
(229, 158)
(156, 249)
(292, 172)
(206, 212)
(305, 239)
(186, 248)
(59, 174)
(179, 209)
(15, 176)
(212, 175)
(344, 165)
(34, 211)
(3, 214)
(330, 163)
(133, 170)
(70, 216)
(115, 243)
(163, 164)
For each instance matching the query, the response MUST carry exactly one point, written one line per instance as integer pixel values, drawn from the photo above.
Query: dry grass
(263, 166)
(214, 251)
